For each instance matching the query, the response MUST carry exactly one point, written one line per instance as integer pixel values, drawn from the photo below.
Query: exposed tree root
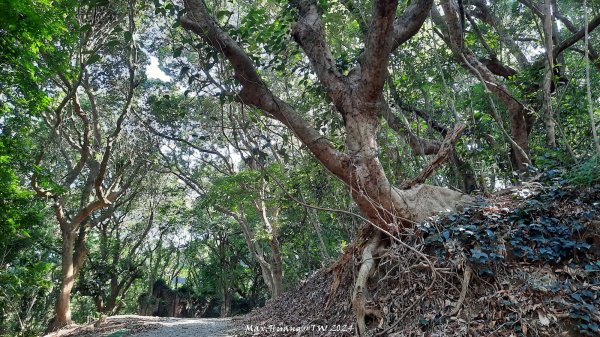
(360, 287)
(463, 291)
(338, 270)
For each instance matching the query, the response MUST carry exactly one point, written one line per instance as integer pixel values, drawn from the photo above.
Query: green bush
(586, 173)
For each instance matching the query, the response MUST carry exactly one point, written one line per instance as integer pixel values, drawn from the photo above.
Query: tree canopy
(238, 146)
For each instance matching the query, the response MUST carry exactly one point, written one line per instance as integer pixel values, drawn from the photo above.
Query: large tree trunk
(73, 256)
(383, 204)
(63, 302)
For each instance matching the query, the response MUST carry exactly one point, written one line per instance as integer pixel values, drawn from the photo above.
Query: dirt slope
(525, 262)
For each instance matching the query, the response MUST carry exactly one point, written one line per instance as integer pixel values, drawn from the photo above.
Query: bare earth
(148, 326)
(184, 327)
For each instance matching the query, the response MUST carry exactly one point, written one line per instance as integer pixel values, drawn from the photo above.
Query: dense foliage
(129, 155)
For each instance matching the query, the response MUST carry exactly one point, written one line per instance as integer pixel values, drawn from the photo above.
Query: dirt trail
(188, 327)
(149, 326)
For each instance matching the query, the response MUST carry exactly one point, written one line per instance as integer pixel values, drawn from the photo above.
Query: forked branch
(309, 33)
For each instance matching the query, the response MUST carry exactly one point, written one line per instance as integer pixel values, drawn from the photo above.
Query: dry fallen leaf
(544, 320)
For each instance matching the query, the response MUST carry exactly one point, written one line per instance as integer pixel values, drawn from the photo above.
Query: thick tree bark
(63, 302)
(72, 256)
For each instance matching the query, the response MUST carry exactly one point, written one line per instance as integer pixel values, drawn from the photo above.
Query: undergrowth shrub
(586, 173)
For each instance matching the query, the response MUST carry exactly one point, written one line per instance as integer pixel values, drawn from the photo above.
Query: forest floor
(524, 262)
(149, 326)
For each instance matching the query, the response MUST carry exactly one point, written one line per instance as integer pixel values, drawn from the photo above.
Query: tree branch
(486, 15)
(254, 91)
(571, 40)
(84, 148)
(441, 157)
(378, 46)
(310, 35)
(407, 25)
(351, 6)
(131, 85)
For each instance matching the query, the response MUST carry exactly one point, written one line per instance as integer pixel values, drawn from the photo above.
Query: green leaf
(93, 59)
(177, 52)
(223, 13)
(113, 43)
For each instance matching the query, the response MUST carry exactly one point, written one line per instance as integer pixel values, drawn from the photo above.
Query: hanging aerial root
(360, 287)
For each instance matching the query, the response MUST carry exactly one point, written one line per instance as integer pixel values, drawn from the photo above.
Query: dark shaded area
(182, 302)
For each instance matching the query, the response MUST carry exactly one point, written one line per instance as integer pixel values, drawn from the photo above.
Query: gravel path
(190, 327)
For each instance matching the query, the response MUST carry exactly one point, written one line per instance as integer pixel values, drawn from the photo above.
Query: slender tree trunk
(520, 117)
(276, 269)
(225, 282)
(225, 302)
(548, 114)
(520, 134)
(272, 227)
(256, 252)
(588, 85)
(465, 172)
(154, 265)
(317, 225)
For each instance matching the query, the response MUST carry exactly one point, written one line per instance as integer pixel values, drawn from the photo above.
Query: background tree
(88, 163)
